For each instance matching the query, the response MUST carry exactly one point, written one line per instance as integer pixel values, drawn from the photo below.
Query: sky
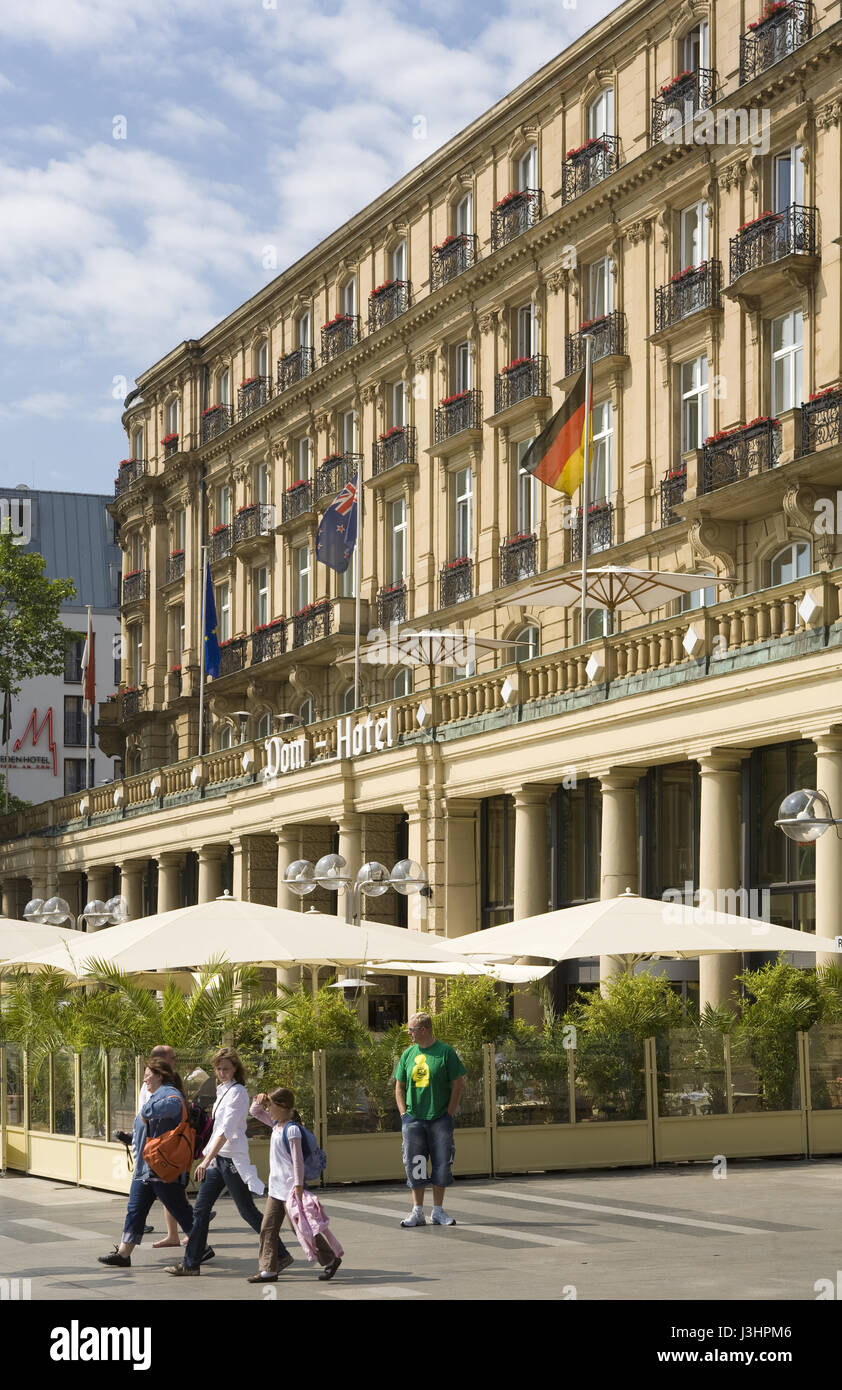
(150, 154)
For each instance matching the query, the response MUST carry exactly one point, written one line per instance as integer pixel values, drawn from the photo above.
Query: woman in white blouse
(226, 1163)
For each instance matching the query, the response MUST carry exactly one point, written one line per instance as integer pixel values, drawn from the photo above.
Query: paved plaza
(769, 1231)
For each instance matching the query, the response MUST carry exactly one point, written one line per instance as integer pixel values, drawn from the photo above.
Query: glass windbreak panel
(825, 1054)
(691, 1073)
(94, 1118)
(610, 1081)
(121, 1072)
(764, 1072)
(64, 1093)
(360, 1091)
(278, 1068)
(533, 1088)
(14, 1085)
(39, 1094)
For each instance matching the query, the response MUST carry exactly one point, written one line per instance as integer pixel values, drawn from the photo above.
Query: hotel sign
(353, 738)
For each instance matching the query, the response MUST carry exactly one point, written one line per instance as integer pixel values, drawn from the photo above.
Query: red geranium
(460, 396)
(338, 318)
(514, 197)
(517, 362)
(169, 438)
(762, 217)
(174, 553)
(223, 526)
(390, 434)
(674, 82)
(593, 145)
(295, 487)
(458, 563)
(828, 391)
(387, 285)
(591, 323)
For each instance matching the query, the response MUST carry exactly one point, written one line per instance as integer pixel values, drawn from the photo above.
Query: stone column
(618, 847)
(9, 889)
(238, 871)
(131, 886)
(351, 842)
(461, 867)
(70, 888)
(39, 882)
(289, 846)
(169, 865)
(829, 846)
(100, 880)
(418, 907)
(719, 861)
(210, 872)
(530, 879)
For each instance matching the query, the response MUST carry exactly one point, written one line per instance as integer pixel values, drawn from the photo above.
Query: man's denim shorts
(428, 1139)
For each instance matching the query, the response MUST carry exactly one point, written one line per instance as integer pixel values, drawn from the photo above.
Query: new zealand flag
(337, 534)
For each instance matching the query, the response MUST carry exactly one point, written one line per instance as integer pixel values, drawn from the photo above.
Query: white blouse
(230, 1115)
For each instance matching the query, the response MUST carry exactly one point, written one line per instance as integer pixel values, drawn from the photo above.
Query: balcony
(253, 523)
(219, 544)
(679, 100)
(687, 293)
(387, 303)
(523, 379)
(600, 529)
(821, 420)
(783, 28)
(455, 582)
(391, 604)
(609, 340)
(784, 241)
(518, 558)
(458, 413)
(734, 454)
(269, 641)
(589, 165)
(339, 335)
(215, 421)
(252, 394)
(75, 729)
(174, 567)
(128, 472)
(334, 472)
(397, 446)
(297, 501)
(311, 623)
(455, 254)
(295, 366)
(135, 586)
(170, 445)
(673, 488)
(232, 656)
(131, 703)
(175, 684)
(514, 214)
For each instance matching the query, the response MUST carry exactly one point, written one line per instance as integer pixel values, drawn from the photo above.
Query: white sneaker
(441, 1218)
(415, 1218)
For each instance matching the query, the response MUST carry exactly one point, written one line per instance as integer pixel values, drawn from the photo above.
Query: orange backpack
(171, 1154)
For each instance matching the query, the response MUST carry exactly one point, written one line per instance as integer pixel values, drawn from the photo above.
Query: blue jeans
(428, 1139)
(224, 1174)
(142, 1194)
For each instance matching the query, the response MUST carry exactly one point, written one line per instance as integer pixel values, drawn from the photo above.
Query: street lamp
(96, 913)
(805, 815)
(303, 877)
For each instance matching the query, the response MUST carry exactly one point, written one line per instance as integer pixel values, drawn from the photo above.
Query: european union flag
(337, 534)
(211, 633)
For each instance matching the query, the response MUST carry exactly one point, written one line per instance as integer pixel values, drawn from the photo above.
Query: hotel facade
(670, 184)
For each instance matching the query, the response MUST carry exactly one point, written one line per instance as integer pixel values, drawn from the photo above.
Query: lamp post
(804, 816)
(96, 913)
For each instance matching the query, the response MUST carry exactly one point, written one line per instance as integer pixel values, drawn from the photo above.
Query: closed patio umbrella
(609, 586)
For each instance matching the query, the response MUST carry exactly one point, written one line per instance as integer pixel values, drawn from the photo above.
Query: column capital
(170, 858)
(712, 760)
(828, 740)
(210, 852)
(531, 794)
(616, 779)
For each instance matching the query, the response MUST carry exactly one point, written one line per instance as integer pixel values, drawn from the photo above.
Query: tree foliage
(33, 638)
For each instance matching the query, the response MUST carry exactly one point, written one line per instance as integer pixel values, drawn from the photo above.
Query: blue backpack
(315, 1159)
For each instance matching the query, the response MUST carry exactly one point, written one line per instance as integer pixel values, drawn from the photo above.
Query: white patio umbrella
(508, 974)
(428, 647)
(634, 928)
(619, 590)
(17, 937)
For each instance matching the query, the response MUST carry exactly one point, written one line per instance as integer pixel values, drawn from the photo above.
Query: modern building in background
(47, 746)
(669, 184)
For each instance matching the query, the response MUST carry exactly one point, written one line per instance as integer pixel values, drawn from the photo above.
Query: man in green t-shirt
(428, 1087)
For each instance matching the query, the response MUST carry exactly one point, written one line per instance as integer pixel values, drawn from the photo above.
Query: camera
(123, 1138)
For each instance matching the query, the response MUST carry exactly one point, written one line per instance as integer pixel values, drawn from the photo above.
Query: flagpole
(202, 653)
(358, 562)
(585, 489)
(88, 702)
(7, 712)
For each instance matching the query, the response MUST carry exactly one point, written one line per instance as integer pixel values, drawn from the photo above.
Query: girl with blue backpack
(294, 1158)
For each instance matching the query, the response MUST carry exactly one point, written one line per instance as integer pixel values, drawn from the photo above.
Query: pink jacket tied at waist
(308, 1220)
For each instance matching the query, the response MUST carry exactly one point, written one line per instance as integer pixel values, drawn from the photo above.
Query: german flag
(557, 456)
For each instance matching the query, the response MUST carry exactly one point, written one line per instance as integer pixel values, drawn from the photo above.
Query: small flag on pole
(557, 456)
(6, 719)
(337, 534)
(211, 629)
(89, 669)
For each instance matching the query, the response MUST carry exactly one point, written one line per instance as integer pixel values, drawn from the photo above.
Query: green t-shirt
(428, 1074)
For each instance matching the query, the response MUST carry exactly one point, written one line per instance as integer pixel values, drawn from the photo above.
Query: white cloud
(50, 404)
(185, 125)
(6, 85)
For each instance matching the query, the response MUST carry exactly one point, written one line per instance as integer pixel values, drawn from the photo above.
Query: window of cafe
(497, 856)
(189, 879)
(671, 806)
(387, 1001)
(575, 836)
(776, 864)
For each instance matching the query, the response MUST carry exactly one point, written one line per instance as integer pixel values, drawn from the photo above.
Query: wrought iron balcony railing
(525, 377)
(75, 729)
(735, 454)
(135, 586)
(609, 335)
(232, 656)
(215, 421)
(297, 500)
(455, 582)
(339, 335)
(686, 293)
(311, 623)
(514, 214)
(771, 236)
(127, 473)
(170, 446)
(785, 27)
(268, 642)
(175, 684)
(391, 604)
(252, 394)
(821, 420)
(673, 488)
(456, 253)
(219, 544)
(295, 366)
(174, 567)
(680, 99)
(387, 303)
(253, 521)
(397, 446)
(589, 165)
(600, 529)
(518, 558)
(334, 472)
(131, 703)
(458, 413)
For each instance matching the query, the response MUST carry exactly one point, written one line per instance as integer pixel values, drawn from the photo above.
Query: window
(74, 775)
(305, 711)
(670, 807)
(526, 644)
(526, 494)
(399, 261)
(73, 661)
(698, 598)
(261, 596)
(349, 296)
(264, 725)
(136, 640)
(75, 722)
(497, 852)
(223, 387)
(463, 499)
(225, 737)
(598, 623)
(601, 114)
(600, 288)
(787, 371)
(462, 366)
(347, 585)
(118, 661)
(601, 481)
(303, 456)
(303, 330)
(139, 443)
(696, 47)
(789, 178)
(171, 416)
(577, 826)
(177, 633)
(793, 562)
(348, 703)
(263, 483)
(137, 551)
(526, 331)
(223, 611)
(302, 577)
(694, 403)
(783, 867)
(261, 358)
(349, 432)
(398, 403)
(463, 216)
(179, 529)
(401, 684)
(694, 235)
(397, 526)
(527, 168)
(223, 505)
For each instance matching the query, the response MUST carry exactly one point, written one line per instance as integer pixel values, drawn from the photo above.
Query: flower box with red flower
(269, 627)
(249, 507)
(449, 241)
(130, 690)
(396, 588)
(518, 195)
(676, 474)
(310, 608)
(169, 439)
(459, 563)
(825, 393)
(175, 670)
(516, 363)
(381, 289)
(174, 554)
(336, 321)
(460, 396)
(767, 216)
(392, 433)
(249, 381)
(597, 507)
(596, 145)
(332, 458)
(296, 487)
(518, 538)
(688, 270)
(130, 574)
(593, 323)
(674, 83)
(211, 408)
(217, 530)
(773, 11)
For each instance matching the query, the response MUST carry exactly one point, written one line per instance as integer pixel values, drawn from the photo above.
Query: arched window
(526, 643)
(463, 215)
(225, 737)
(694, 47)
(527, 168)
(598, 623)
(261, 358)
(349, 295)
(171, 416)
(793, 562)
(139, 443)
(348, 703)
(399, 261)
(223, 388)
(264, 725)
(133, 762)
(305, 711)
(601, 114)
(402, 683)
(303, 330)
(698, 598)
